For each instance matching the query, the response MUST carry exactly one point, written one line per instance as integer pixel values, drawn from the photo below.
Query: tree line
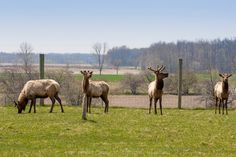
(198, 56)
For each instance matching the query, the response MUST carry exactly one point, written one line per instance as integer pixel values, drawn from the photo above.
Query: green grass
(103, 77)
(205, 77)
(116, 78)
(122, 132)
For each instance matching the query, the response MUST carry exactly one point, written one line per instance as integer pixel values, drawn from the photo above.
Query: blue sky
(75, 25)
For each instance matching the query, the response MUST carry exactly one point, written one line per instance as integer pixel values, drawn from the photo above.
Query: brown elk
(221, 92)
(38, 89)
(155, 88)
(94, 89)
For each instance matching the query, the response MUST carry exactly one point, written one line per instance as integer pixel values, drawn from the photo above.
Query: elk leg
(226, 106)
(53, 102)
(150, 104)
(34, 103)
(155, 104)
(216, 105)
(59, 100)
(107, 105)
(31, 104)
(89, 105)
(106, 101)
(160, 103)
(220, 105)
(223, 106)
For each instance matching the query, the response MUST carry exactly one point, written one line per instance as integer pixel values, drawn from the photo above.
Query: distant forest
(52, 58)
(200, 55)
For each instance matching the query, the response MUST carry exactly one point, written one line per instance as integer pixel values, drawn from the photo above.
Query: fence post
(180, 83)
(41, 69)
(84, 106)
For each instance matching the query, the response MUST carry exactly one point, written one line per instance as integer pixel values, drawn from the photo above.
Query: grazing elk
(38, 89)
(221, 92)
(94, 89)
(155, 88)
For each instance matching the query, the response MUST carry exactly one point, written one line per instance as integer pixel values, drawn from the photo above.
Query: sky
(76, 25)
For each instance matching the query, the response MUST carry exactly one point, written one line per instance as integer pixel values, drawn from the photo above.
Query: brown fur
(221, 92)
(155, 88)
(94, 89)
(38, 89)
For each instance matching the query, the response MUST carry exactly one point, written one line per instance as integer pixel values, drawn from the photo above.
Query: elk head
(21, 105)
(225, 77)
(159, 72)
(87, 74)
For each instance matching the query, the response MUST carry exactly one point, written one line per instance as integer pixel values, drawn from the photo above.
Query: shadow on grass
(88, 120)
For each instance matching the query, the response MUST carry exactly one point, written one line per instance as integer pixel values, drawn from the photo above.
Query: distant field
(122, 132)
(205, 77)
(110, 76)
(103, 77)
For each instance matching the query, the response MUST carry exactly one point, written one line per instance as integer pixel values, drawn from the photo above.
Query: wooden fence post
(41, 69)
(84, 107)
(180, 83)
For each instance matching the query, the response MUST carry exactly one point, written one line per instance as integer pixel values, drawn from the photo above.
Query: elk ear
(15, 103)
(91, 72)
(82, 72)
(221, 75)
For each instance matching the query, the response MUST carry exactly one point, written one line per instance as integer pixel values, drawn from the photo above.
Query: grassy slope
(123, 132)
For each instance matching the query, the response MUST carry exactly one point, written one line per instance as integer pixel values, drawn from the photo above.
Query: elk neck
(225, 86)
(85, 85)
(159, 83)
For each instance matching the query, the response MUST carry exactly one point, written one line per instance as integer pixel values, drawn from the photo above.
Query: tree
(132, 82)
(26, 55)
(116, 65)
(100, 52)
(70, 87)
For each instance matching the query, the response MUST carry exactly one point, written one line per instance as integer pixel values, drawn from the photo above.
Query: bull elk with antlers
(221, 92)
(155, 88)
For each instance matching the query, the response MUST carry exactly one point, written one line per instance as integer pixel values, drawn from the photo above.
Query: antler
(229, 75)
(149, 68)
(15, 103)
(161, 68)
(158, 69)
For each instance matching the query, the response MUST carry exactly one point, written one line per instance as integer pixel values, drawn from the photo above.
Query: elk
(221, 92)
(94, 89)
(38, 89)
(155, 88)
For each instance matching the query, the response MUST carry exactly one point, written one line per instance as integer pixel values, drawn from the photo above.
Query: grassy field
(205, 77)
(122, 132)
(116, 78)
(103, 77)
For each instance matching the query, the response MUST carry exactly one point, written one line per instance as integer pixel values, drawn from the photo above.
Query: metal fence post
(41, 69)
(180, 83)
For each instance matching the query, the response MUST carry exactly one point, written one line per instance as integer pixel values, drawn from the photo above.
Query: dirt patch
(168, 101)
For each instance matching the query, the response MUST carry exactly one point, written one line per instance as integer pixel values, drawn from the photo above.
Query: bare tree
(116, 65)
(26, 56)
(11, 84)
(70, 87)
(100, 51)
(132, 82)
